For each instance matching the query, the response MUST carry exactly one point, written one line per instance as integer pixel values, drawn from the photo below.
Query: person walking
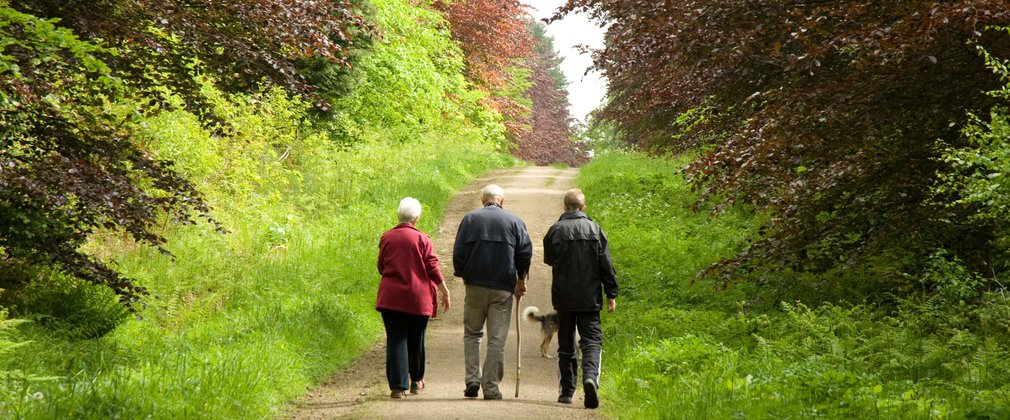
(582, 271)
(492, 255)
(407, 298)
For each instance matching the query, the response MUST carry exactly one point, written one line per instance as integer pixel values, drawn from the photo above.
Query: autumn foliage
(550, 138)
(496, 46)
(825, 112)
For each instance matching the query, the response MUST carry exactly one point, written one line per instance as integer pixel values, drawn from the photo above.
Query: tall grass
(683, 349)
(238, 324)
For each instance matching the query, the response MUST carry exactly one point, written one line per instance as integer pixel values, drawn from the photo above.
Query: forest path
(360, 390)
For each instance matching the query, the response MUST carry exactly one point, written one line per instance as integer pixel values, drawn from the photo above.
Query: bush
(678, 348)
(239, 324)
(70, 306)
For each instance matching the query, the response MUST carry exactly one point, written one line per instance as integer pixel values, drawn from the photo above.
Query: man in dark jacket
(576, 249)
(492, 254)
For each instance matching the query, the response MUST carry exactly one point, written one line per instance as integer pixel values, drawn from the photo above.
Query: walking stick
(519, 341)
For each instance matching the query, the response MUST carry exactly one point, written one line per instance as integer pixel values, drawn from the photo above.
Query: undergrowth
(238, 324)
(678, 348)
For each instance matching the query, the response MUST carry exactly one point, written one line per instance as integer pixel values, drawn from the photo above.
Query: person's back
(491, 246)
(576, 249)
(492, 254)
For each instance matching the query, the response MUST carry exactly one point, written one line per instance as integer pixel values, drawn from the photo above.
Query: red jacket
(409, 271)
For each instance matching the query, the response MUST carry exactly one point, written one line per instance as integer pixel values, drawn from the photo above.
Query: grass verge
(682, 349)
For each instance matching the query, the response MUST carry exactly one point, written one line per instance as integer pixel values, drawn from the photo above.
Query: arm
(378, 263)
(550, 254)
(444, 291)
(460, 249)
(433, 271)
(430, 261)
(523, 252)
(607, 273)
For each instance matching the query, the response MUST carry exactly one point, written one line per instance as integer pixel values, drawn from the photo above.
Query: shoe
(397, 393)
(416, 387)
(564, 400)
(592, 400)
(492, 397)
(471, 391)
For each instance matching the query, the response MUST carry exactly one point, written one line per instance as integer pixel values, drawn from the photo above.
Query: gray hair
(490, 193)
(409, 210)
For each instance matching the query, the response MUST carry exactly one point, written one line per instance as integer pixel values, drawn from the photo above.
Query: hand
(520, 288)
(446, 304)
(444, 292)
(611, 305)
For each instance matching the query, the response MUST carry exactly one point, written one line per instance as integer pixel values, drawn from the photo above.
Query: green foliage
(411, 82)
(648, 200)
(75, 308)
(245, 321)
(69, 163)
(239, 324)
(677, 348)
(978, 172)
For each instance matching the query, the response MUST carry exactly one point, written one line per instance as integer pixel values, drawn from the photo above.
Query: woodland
(807, 201)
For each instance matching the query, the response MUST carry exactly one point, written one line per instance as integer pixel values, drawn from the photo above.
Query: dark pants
(404, 348)
(590, 342)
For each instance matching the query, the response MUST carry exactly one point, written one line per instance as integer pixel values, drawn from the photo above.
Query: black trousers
(590, 342)
(404, 347)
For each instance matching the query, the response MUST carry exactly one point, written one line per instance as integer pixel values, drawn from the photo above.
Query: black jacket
(492, 247)
(576, 249)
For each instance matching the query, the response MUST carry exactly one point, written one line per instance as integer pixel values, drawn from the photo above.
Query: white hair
(491, 192)
(409, 210)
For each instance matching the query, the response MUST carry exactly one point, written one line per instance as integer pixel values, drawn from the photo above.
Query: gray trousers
(493, 307)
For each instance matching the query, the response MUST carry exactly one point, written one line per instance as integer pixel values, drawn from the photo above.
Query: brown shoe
(416, 387)
(397, 393)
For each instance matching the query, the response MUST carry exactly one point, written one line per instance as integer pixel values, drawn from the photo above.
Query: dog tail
(530, 313)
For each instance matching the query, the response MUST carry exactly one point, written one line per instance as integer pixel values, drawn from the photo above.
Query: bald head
(575, 200)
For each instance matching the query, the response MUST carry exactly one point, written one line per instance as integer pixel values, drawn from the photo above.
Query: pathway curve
(360, 391)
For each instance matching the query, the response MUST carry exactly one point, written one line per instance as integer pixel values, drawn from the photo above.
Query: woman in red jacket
(407, 297)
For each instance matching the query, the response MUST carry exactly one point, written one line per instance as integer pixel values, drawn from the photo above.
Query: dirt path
(361, 392)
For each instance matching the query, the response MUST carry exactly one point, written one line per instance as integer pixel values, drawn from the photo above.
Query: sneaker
(397, 393)
(564, 400)
(492, 397)
(471, 391)
(416, 387)
(592, 400)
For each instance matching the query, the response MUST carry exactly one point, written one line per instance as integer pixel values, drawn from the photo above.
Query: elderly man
(492, 254)
(576, 249)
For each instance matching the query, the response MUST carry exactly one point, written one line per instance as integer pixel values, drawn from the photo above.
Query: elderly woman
(407, 297)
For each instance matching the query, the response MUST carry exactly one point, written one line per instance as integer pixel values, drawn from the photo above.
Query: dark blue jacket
(492, 247)
(577, 251)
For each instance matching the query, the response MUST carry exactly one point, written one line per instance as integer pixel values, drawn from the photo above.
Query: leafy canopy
(825, 112)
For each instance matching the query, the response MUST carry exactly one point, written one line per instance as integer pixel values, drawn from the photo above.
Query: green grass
(239, 324)
(682, 349)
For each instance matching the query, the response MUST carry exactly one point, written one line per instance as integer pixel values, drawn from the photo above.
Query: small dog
(548, 326)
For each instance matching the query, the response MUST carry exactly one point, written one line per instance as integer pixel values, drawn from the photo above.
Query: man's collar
(574, 214)
(493, 204)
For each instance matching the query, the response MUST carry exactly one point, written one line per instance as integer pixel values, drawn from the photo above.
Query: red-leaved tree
(495, 43)
(550, 138)
(826, 112)
(242, 42)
